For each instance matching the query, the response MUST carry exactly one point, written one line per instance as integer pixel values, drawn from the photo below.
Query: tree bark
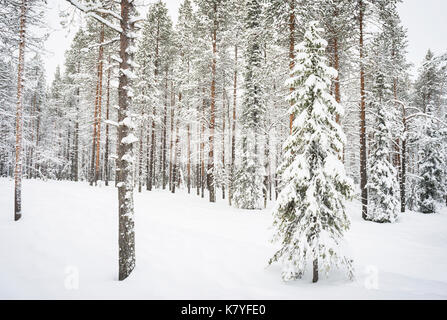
(165, 123)
(223, 138)
(125, 150)
(210, 173)
(98, 96)
(98, 131)
(106, 156)
(202, 150)
(171, 140)
(315, 271)
(19, 116)
(188, 150)
(403, 175)
(363, 174)
(233, 129)
(291, 49)
(151, 173)
(176, 153)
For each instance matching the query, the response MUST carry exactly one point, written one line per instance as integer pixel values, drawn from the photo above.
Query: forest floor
(66, 247)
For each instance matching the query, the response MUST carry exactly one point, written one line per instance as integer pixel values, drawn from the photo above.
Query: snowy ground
(188, 248)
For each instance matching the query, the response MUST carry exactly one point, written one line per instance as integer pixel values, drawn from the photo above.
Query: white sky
(424, 20)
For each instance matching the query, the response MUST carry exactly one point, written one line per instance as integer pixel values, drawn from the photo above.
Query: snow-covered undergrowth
(65, 247)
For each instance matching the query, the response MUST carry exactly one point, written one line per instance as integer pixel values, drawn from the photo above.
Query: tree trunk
(152, 155)
(233, 129)
(223, 138)
(125, 150)
(165, 123)
(403, 175)
(176, 154)
(337, 79)
(171, 142)
(202, 150)
(267, 168)
(199, 152)
(188, 147)
(19, 117)
(291, 49)
(210, 173)
(98, 131)
(140, 158)
(106, 155)
(363, 174)
(98, 96)
(315, 271)
(151, 165)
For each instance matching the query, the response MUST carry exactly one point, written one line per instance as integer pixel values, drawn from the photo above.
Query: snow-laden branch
(105, 43)
(421, 114)
(94, 12)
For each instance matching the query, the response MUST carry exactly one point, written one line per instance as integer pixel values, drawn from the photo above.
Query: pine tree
(248, 186)
(185, 43)
(430, 186)
(126, 138)
(309, 216)
(383, 185)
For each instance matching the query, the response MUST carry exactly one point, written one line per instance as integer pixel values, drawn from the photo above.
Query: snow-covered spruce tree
(428, 96)
(431, 187)
(249, 179)
(383, 188)
(309, 216)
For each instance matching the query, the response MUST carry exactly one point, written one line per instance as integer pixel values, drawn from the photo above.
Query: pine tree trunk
(165, 123)
(125, 185)
(267, 168)
(37, 165)
(19, 117)
(152, 155)
(403, 175)
(315, 271)
(291, 48)
(171, 142)
(140, 159)
(363, 174)
(98, 131)
(188, 147)
(176, 153)
(199, 150)
(151, 165)
(202, 151)
(32, 146)
(233, 129)
(223, 139)
(95, 117)
(106, 156)
(210, 173)
(337, 79)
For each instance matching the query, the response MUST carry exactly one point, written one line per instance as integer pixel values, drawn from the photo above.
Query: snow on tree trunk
(210, 172)
(18, 171)
(126, 139)
(233, 130)
(363, 173)
(106, 154)
(309, 216)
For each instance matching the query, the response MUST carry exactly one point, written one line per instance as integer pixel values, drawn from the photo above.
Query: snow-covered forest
(249, 144)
